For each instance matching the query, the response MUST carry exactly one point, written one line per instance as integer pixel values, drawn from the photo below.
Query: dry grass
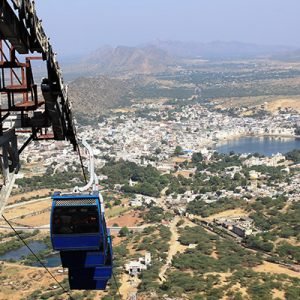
(27, 208)
(124, 110)
(293, 103)
(228, 213)
(273, 102)
(129, 219)
(214, 254)
(292, 240)
(38, 220)
(237, 288)
(223, 277)
(21, 281)
(268, 267)
(179, 159)
(184, 173)
(29, 195)
(277, 294)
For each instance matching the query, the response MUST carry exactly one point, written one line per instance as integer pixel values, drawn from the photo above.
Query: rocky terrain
(121, 61)
(93, 96)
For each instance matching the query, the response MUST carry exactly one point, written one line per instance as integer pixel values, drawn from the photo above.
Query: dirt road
(174, 247)
(129, 286)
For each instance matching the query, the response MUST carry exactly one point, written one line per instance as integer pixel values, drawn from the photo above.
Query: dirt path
(129, 286)
(174, 247)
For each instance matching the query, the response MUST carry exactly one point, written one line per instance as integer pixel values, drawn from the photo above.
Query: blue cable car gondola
(76, 222)
(78, 231)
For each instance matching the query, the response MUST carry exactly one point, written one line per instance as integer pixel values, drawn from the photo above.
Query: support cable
(38, 259)
(117, 286)
(80, 158)
(82, 166)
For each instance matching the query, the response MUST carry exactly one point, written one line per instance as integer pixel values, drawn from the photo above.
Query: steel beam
(12, 29)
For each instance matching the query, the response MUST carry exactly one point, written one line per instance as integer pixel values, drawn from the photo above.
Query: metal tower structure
(42, 111)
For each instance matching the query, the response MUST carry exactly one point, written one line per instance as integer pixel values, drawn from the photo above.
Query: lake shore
(263, 144)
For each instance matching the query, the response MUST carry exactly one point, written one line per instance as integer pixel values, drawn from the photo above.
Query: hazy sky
(78, 26)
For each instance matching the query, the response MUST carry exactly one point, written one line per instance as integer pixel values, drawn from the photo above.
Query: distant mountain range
(102, 76)
(159, 56)
(219, 49)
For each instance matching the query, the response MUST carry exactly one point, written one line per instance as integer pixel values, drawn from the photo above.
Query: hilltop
(92, 96)
(121, 60)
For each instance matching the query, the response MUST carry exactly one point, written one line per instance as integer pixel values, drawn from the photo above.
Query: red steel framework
(21, 33)
(17, 85)
(43, 113)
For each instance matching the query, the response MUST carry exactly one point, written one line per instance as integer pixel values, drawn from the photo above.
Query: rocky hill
(92, 96)
(122, 60)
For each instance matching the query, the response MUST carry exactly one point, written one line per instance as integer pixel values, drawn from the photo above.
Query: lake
(52, 260)
(23, 251)
(263, 145)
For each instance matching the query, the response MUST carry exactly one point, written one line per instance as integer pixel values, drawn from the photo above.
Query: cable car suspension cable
(37, 258)
(82, 166)
(116, 283)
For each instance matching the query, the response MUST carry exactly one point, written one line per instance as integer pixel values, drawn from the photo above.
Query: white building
(136, 266)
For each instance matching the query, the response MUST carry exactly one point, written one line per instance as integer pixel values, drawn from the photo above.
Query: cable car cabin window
(75, 219)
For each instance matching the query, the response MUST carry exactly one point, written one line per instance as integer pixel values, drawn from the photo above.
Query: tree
(237, 176)
(256, 243)
(154, 215)
(157, 151)
(117, 202)
(124, 231)
(180, 222)
(197, 157)
(178, 151)
(293, 155)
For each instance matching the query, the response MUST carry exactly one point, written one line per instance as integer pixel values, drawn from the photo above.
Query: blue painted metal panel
(104, 272)
(101, 284)
(94, 259)
(83, 259)
(82, 279)
(74, 242)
